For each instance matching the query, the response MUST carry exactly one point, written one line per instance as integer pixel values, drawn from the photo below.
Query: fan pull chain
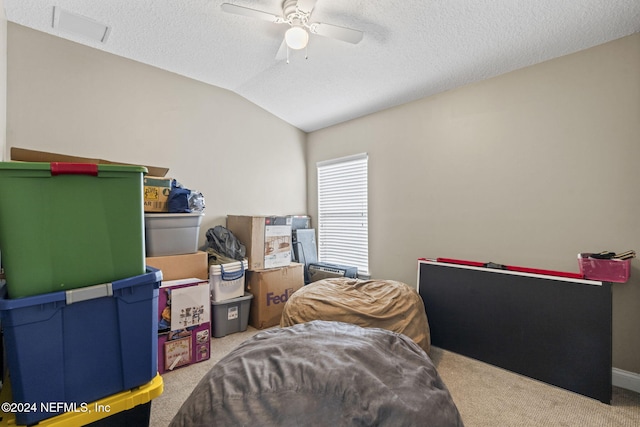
(306, 53)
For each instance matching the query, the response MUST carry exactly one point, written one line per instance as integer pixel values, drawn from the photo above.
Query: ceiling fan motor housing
(293, 15)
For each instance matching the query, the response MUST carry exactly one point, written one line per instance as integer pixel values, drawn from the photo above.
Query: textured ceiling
(410, 49)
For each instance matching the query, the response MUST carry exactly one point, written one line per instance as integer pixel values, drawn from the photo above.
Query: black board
(552, 329)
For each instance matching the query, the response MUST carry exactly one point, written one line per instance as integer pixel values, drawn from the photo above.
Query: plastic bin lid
(171, 215)
(152, 274)
(46, 166)
(246, 296)
(229, 267)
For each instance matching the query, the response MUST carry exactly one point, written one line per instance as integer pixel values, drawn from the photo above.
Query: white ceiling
(410, 49)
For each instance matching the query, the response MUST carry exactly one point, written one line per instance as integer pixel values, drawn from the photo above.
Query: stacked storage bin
(79, 308)
(127, 408)
(184, 320)
(230, 304)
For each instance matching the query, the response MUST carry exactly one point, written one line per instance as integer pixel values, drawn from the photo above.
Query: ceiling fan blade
(335, 32)
(252, 13)
(282, 51)
(306, 5)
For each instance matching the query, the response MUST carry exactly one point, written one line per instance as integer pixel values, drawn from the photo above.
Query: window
(343, 236)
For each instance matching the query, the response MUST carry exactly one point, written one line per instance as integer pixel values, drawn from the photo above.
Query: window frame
(343, 211)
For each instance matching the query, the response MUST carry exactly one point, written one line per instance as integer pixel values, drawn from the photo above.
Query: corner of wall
(3, 83)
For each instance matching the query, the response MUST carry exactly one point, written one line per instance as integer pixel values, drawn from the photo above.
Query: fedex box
(271, 289)
(267, 239)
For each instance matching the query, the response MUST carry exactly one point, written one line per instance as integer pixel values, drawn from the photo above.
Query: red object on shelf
(461, 261)
(547, 272)
(514, 268)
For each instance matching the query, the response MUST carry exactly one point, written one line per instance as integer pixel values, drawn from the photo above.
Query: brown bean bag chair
(385, 304)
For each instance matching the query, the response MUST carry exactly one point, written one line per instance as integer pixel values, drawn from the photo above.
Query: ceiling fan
(297, 13)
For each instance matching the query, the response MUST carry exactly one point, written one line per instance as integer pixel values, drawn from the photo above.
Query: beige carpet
(179, 383)
(490, 396)
(486, 396)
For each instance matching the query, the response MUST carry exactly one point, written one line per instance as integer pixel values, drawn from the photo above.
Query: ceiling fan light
(296, 37)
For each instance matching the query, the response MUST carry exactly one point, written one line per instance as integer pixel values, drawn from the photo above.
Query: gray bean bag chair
(321, 374)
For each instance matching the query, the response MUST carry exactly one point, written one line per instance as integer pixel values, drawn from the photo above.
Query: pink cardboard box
(184, 323)
(183, 347)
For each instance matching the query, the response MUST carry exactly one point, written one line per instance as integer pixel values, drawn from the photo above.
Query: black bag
(223, 241)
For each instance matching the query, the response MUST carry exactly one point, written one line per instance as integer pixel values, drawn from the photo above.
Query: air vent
(73, 24)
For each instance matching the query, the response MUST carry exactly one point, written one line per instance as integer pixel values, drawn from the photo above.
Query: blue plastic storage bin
(81, 345)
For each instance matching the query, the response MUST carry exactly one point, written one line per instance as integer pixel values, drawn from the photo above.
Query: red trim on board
(514, 268)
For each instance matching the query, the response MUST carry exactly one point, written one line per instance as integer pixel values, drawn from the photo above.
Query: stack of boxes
(271, 277)
(78, 309)
(184, 314)
(184, 325)
(105, 289)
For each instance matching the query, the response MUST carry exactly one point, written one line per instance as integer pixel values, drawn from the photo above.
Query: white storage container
(226, 281)
(171, 233)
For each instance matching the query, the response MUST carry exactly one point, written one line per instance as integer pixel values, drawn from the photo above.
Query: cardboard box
(156, 193)
(24, 155)
(176, 267)
(184, 323)
(271, 289)
(183, 347)
(267, 239)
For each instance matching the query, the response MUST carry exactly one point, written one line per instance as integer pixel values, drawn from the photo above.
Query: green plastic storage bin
(68, 225)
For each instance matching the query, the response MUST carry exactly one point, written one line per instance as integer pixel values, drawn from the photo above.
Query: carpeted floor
(179, 383)
(490, 396)
(486, 396)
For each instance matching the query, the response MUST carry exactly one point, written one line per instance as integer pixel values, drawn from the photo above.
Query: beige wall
(67, 98)
(529, 168)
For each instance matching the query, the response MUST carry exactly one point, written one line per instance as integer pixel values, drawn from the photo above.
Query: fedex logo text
(278, 299)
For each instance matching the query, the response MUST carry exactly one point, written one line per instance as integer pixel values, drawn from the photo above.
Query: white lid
(229, 267)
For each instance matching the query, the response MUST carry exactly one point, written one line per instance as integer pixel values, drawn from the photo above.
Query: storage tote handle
(232, 275)
(89, 292)
(63, 168)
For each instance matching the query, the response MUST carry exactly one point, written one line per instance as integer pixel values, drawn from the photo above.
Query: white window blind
(343, 236)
